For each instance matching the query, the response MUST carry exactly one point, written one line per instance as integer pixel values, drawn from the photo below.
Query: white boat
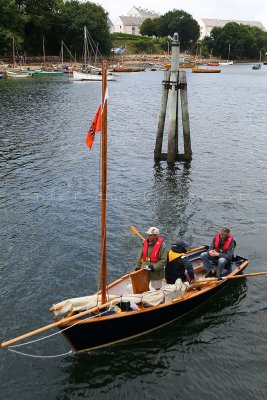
(90, 72)
(17, 74)
(90, 76)
(227, 62)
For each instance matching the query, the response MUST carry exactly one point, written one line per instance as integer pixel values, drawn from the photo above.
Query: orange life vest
(225, 245)
(155, 251)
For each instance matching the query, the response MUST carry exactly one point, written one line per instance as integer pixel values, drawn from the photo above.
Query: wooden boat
(205, 70)
(128, 69)
(187, 65)
(127, 322)
(212, 64)
(127, 307)
(181, 65)
(18, 74)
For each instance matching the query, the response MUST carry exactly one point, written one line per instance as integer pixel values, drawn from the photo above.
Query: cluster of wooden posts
(174, 88)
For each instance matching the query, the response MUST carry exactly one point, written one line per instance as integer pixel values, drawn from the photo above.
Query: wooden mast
(44, 50)
(13, 52)
(62, 57)
(104, 183)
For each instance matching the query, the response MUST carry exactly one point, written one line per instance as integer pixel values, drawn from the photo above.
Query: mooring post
(185, 116)
(162, 115)
(174, 83)
(173, 120)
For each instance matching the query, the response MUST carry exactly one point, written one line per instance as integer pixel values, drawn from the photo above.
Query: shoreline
(143, 60)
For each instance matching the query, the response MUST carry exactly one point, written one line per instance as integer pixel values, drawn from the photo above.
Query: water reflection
(155, 352)
(170, 197)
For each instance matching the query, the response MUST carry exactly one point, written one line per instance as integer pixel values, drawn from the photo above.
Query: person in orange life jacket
(153, 256)
(178, 265)
(220, 253)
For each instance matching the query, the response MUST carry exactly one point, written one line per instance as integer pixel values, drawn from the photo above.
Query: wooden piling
(185, 116)
(174, 83)
(162, 115)
(172, 140)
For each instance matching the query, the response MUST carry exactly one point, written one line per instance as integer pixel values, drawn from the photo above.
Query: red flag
(95, 127)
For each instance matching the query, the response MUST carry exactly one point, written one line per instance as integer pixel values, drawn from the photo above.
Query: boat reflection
(170, 198)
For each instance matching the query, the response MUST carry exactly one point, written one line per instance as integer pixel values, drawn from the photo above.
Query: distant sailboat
(227, 62)
(90, 72)
(16, 73)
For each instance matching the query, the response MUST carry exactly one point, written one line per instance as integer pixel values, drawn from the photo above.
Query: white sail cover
(151, 298)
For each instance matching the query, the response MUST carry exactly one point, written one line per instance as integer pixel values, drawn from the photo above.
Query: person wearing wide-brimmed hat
(219, 254)
(153, 257)
(178, 265)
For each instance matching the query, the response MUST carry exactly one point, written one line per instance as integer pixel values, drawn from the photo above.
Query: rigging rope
(11, 348)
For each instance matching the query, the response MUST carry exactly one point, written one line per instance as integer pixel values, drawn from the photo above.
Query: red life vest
(155, 251)
(226, 244)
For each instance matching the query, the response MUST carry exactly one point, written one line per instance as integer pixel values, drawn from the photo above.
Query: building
(206, 25)
(133, 20)
(111, 25)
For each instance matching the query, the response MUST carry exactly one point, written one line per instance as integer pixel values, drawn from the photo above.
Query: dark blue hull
(103, 331)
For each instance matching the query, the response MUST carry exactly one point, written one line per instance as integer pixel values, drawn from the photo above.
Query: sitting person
(152, 257)
(220, 254)
(178, 265)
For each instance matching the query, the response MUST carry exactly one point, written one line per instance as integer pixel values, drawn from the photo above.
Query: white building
(207, 24)
(111, 25)
(133, 20)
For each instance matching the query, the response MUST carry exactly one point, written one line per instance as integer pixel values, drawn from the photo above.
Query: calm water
(49, 220)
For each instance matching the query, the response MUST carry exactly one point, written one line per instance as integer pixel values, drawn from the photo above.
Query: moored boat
(18, 74)
(128, 69)
(89, 76)
(48, 73)
(226, 63)
(182, 65)
(206, 70)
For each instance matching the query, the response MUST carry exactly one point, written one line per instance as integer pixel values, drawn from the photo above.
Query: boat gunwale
(204, 287)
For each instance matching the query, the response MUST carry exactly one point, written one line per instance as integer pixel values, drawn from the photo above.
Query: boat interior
(133, 292)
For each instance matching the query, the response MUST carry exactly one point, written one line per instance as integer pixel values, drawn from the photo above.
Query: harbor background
(49, 200)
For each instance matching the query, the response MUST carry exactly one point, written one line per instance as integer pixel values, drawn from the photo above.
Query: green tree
(75, 16)
(244, 41)
(181, 22)
(143, 46)
(12, 24)
(149, 27)
(42, 17)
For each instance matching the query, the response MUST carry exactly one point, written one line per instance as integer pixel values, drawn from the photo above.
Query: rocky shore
(114, 60)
